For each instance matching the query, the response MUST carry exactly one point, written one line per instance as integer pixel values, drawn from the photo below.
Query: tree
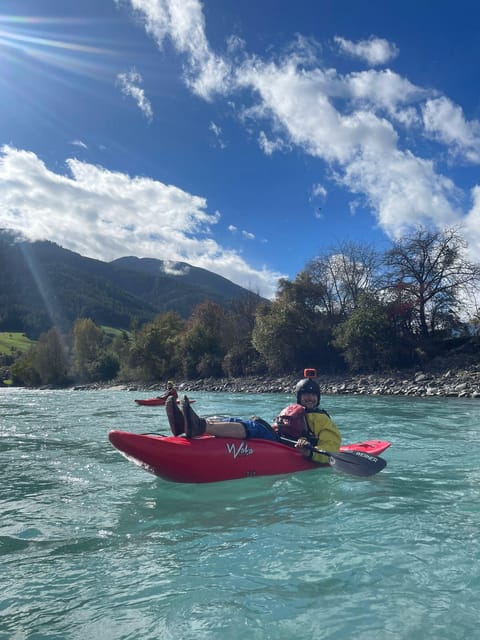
(207, 339)
(242, 358)
(365, 337)
(279, 335)
(23, 370)
(51, 359)
(431, 273)
(92, 361)
(46, 362)
(293, 331)
(154, 349)
(337, 277)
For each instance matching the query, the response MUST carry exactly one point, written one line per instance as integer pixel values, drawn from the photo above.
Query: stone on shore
(463, 383)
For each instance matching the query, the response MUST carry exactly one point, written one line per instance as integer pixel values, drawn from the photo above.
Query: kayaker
(304, 422)
(170, 391)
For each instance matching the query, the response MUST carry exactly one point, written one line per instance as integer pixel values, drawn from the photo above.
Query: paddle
(357, 463)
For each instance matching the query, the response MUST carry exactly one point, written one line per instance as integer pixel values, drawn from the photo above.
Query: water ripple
(91, 546)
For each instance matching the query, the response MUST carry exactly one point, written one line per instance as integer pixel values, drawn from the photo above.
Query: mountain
(43, 284)
(182, 274)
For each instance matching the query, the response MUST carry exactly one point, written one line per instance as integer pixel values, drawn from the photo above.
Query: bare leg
(226, 430)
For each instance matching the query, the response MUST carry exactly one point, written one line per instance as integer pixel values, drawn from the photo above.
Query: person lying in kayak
(169, 391)
(304, 422)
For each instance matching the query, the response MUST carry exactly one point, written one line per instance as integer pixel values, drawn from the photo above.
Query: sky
(242, 137)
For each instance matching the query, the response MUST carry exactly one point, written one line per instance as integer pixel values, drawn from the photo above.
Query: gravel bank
(462, 383)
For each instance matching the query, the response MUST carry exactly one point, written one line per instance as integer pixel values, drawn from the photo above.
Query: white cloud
(300, 105)
(106, 215)
(445, 122)
(383, 91)
(246, 234)
(319, 191)
(182, 21)
(79, 143)
(175, 269)
(129, 85)
(303, 51)
(359, 124)
(472, 225)
(270, 146)
(218, 133)
(360, 144)
(375, 50)
(403, 189)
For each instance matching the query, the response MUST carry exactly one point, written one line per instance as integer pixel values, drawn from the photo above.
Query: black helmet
(307, 385)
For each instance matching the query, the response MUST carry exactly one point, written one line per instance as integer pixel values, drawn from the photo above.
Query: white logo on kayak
(239, 450)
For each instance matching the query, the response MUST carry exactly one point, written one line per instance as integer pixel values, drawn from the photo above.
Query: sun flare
(28, 42)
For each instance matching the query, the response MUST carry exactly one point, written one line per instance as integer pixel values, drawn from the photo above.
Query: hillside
(43, 284)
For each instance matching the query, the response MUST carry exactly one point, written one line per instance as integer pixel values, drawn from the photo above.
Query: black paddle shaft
(356, 463)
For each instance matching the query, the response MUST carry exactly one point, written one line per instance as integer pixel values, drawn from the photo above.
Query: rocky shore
(458, 383)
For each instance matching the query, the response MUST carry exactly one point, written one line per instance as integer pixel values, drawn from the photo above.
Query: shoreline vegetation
(449, 383)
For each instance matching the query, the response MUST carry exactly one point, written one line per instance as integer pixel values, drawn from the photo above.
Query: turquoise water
(93, 547)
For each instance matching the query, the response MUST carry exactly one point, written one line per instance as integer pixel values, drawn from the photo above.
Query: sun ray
(31, 47)
(27, 42)
(27, 37)
(45, 289)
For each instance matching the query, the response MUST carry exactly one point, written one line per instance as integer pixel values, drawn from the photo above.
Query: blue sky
(242, 137)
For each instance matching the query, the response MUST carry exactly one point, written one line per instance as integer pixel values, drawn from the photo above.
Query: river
(93, 547)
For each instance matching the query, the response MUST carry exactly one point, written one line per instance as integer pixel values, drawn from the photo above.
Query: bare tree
(342, 274)
(431, 270)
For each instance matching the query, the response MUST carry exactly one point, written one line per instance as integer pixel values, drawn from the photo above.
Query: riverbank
(460, 383)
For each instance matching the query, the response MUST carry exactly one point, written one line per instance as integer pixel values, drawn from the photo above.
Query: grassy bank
(11, 342)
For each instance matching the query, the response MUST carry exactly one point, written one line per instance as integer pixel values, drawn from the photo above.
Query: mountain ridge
(46, 285)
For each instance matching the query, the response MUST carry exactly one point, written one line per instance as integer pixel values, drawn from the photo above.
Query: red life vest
(291, 423)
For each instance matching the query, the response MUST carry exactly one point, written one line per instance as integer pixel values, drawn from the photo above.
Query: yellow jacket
(323, 433)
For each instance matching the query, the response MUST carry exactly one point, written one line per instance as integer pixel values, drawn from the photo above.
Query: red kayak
(210, 459)
(155, 402)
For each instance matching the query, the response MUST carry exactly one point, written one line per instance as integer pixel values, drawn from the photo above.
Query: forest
(351, 309)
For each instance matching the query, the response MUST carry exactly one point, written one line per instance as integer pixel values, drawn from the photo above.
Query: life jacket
(297, 422)
(168, 393)
(291, 423)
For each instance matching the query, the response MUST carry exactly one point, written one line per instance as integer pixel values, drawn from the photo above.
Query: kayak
(155, 402)
(211, 459)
